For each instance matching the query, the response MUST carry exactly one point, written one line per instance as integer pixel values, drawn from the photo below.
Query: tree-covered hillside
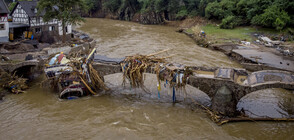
(277, 14)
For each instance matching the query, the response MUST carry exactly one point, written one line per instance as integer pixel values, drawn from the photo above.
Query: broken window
(2, 26)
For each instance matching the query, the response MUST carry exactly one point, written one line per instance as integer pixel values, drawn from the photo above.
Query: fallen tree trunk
(245, 119)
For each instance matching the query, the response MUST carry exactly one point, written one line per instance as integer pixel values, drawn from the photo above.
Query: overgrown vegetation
(277, 14)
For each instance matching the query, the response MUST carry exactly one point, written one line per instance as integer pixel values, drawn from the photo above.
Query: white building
(4, 26)
(25, 12)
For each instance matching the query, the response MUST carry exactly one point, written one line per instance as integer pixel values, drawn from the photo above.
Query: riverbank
(227, 40)
(265, 54)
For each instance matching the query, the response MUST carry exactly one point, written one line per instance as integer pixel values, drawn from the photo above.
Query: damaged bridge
(15, 66)
(225, 86)
(236, 83)
(28, 69)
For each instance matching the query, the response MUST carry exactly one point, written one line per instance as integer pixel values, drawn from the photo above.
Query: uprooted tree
(66, 11)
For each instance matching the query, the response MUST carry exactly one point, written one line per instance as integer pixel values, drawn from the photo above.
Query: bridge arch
(28, 69)
(278, 104)
(24, 71)
(13, 67)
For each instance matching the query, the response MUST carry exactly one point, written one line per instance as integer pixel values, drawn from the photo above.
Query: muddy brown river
(123, 114)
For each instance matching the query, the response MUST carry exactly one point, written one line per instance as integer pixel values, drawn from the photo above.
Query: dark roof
(29, 7)
(3, 7)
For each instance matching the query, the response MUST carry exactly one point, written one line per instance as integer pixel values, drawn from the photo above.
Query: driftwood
(13, 83)
(81, 72)
(153, 54)
(244, 119)
(87, 86)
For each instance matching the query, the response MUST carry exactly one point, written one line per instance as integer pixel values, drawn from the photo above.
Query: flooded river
(122, 114)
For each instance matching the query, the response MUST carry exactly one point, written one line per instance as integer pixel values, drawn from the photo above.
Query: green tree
(230, 22)
(272, 17)
(220, 10)
(161, 5)
(203, 5)
(11, 6)
(112, 5)
(93, 5)
(214, 11)
(257, 7)
(66, 11)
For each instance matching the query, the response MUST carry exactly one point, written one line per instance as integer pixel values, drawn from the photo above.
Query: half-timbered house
(26, 12)
(4, 26)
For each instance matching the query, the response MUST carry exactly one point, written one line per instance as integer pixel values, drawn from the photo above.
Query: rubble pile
(280, 44)
(80, 37)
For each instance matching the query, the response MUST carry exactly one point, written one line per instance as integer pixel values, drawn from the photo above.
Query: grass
(214, 33)
(242, 33)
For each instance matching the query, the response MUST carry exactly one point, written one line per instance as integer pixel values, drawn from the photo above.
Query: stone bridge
(14, 66)
(236, 82)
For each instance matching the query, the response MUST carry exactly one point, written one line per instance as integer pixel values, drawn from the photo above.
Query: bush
(11, 6)
(112, 5)
(230, 22)
(182, 14)
(272, 17)
(220, 10)
(213, 10)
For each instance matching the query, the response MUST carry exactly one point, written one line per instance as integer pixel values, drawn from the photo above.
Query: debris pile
(133, 68)
(81, 37)
(280, 43)
(173, 75)
(198, 35)
(12, 83)
(73, 77)
(268, 42)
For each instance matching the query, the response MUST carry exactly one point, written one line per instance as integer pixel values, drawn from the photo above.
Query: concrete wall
(4, 34)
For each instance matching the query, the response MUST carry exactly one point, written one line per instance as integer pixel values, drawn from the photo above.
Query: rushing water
(122, 114)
